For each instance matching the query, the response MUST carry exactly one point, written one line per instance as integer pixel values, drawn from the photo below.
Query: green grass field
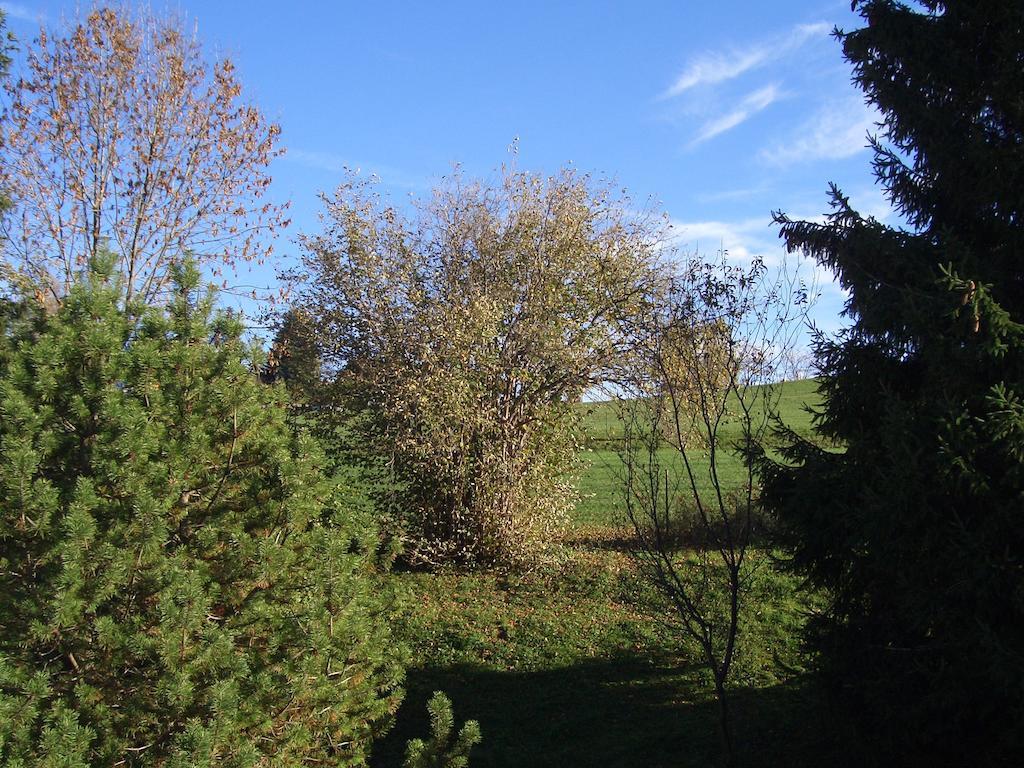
(573, 665)
(601, 423)
(602, 470)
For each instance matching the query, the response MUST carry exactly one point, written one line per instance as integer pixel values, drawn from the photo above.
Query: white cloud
(751, 104)
(866, 200)
(24, 13)
(873, 202)
(839, 129)
(801, 33)
(742, 239)
(715, 68)
(325, 161)
(711, 68)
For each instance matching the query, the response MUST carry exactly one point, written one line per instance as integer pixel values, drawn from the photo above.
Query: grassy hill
(602, 468)
(573, 664)
(601, 422)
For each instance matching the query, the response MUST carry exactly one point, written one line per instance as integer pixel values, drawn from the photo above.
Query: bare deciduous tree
(119, 135)
(700, 402)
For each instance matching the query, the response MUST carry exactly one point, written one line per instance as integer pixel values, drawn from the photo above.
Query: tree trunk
(724, 731)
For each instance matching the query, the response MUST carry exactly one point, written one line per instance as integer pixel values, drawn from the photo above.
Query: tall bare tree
(6, 44)
(700, 403)
(120, 135)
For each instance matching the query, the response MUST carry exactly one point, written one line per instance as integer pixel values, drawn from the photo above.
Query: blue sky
(721, 112)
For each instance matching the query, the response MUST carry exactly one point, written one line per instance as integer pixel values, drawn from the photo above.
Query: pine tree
(181, 585)
(916, 528)
(444, 749)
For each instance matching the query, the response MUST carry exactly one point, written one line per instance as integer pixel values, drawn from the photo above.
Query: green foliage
(181, 585)
(441, 751)
(294, 358)
(915, 529)
(572, 664)
(461, 337)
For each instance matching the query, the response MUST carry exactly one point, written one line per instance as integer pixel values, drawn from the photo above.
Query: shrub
(462, 336)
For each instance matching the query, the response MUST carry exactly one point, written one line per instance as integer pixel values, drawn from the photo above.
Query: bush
(462, 336)
(181, 585)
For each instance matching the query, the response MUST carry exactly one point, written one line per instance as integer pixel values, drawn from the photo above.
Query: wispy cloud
(717, 67)
(324, 161)
(742, 239)
(724, 195)
(839, 129)
(866, 200)
(22, 12)
(873, 202)
(751, 104)
(334, 163)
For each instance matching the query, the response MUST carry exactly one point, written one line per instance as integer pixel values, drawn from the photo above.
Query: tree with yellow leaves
(120, 135)
(463, 336)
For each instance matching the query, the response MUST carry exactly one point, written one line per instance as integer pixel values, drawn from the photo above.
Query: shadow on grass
(625, 713)
(622, 539)
(619, 539)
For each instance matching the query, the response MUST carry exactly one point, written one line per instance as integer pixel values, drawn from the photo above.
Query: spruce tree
(916, 526)
(180, 585)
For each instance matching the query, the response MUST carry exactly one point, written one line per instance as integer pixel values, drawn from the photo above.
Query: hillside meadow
(574, 663)
(601, 471)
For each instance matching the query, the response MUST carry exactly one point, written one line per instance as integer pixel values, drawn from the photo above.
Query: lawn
(572, 664)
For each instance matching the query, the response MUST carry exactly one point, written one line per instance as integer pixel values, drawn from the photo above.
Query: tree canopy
(122, 136)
